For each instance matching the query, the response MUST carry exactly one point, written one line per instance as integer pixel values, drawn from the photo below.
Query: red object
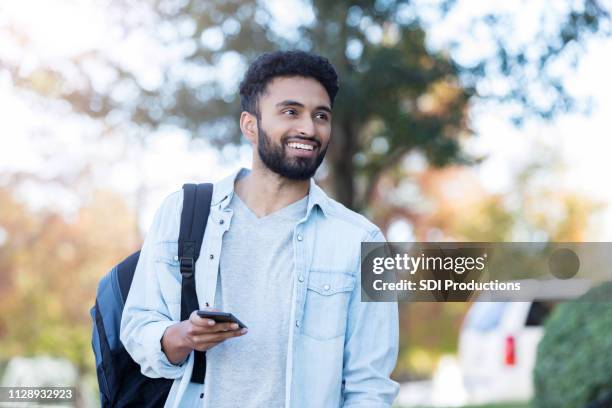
(510, 351)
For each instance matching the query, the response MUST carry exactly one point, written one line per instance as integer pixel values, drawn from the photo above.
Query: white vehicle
(498, 342)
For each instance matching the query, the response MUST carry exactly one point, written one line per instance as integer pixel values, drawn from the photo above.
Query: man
(282, 257)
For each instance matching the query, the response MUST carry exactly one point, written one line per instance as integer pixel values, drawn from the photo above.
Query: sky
(37, 139)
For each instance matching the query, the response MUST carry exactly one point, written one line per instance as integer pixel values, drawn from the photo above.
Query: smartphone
(221, 317)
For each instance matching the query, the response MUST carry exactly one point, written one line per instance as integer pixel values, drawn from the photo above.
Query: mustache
(296, 138)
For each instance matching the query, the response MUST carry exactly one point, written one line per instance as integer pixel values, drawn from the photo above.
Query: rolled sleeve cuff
(152, 336)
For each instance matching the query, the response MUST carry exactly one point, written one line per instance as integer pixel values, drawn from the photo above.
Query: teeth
(302, 146)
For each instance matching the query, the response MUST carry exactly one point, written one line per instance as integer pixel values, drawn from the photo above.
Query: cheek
(324, 132)
(274, 132)
(277, 128)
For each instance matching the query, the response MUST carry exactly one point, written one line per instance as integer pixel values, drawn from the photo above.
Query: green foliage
(574, 363)
(397, 95)
(508, 405)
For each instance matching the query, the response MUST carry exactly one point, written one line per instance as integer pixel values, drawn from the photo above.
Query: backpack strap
(196, 208)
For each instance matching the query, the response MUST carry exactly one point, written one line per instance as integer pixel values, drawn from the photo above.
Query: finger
(217, 328)
(217, 337)
(201, 321)
(222, 327)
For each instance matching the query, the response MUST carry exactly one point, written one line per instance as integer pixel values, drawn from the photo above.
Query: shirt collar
(224, 189)
(317, 197)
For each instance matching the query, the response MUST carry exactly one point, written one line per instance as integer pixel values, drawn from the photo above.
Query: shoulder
(351, 221)
(172, 201)
(167, 219)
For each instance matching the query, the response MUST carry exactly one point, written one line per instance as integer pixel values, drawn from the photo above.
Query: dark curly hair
(285, 63)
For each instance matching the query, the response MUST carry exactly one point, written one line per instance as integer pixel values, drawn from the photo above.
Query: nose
(306, 127)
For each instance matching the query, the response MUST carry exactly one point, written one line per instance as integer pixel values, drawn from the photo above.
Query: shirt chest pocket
(168, 273)
(327, 299)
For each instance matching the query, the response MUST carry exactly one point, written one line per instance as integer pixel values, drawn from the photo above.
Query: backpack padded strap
(125, 274)
(196, 208)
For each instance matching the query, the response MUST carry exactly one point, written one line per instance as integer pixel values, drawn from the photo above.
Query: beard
(275, 157)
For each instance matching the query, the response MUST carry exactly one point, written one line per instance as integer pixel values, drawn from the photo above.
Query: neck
(266, 192)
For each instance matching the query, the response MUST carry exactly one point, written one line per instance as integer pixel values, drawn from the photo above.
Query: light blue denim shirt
(341, 351)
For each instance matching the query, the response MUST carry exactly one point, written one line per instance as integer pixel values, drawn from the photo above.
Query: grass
(513, 405)
(523, 405)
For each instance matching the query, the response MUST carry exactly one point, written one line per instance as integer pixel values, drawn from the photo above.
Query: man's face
(294, 126)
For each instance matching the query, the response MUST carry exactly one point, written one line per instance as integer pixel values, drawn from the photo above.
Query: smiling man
(281, 256)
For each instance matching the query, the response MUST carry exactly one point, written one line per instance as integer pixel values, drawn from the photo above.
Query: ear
(248, 126)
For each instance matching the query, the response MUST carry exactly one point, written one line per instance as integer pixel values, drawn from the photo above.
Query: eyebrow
(290, 102)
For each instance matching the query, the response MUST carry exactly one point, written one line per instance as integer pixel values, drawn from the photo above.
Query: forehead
(307, 91)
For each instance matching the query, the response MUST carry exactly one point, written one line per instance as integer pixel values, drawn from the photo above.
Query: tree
(453, 203)
(50, 267)
(397, 96)
(573, 364)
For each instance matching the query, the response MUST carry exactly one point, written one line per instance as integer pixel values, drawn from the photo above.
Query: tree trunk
(342, 169)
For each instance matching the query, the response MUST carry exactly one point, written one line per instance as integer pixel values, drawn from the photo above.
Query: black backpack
(119, 378)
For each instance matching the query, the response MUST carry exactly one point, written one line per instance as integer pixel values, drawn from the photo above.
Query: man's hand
(197, 333)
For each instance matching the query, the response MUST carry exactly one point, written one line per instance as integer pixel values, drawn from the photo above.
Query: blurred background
(459, 120)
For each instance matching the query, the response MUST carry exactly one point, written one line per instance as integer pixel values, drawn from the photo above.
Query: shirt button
(301, 278)
(326, 287)
(297, 323)
(221, 222)
(176, 257)
(299, 237)
(212, 256)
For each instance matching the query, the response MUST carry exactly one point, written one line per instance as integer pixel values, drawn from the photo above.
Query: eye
(322, 115)
(291, 112)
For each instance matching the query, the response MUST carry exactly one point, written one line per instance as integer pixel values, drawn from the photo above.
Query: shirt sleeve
(370, 349)
(145, 315)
